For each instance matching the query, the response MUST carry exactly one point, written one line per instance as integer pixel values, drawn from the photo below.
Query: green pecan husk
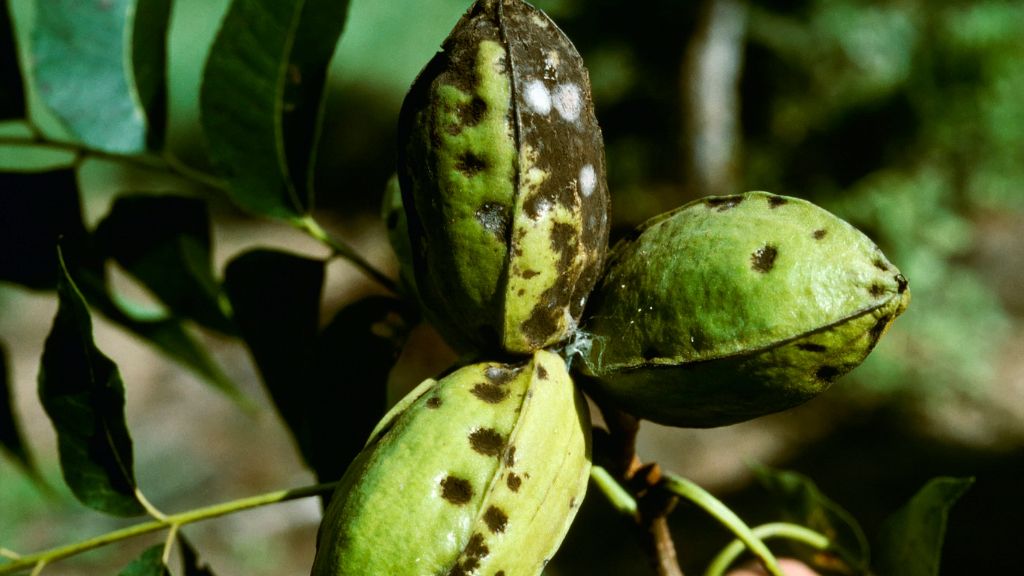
(733, 307)
(481, 472)
(502, 171)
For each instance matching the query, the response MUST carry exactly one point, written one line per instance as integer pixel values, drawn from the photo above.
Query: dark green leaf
(82, 393)
(80, 51)
(164, 242)
(261, 98)
(10, 434)
(12, 97)
(190, 559)
(169, 335)
(149, 61)
(275, 297)
(910, 541)
(802, 503)
(37, 209)
(348, 391)
(150, 563)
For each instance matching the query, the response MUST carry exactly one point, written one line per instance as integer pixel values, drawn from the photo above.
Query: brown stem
(641, 479)
(661, 548)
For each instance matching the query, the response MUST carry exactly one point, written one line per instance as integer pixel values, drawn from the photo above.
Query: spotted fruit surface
(480, 472)
(733, 307)
(502, 172)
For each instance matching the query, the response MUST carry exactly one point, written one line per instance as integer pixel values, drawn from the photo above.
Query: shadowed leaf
(164, 242)
(261, 98)
(10, 434)
(910, 541)
(275, 297)
(190, 559)
(86, 56)
(348, 390)
(82, 393)
(802, 503)
(12, 97)
(150, 563)
(37, 209)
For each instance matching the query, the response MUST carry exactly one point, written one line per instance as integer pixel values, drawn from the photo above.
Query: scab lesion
(487, 441)
(723, 203)
(763, 259)
(456, 490)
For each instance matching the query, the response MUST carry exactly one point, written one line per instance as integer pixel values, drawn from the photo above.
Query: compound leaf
(190, 559)
(275, 298)
(37, 209)
(150, 563)
(348, 389)
(803, 503)
(910, 541)
(12, 97)
(82, 393)
(11, 437)
(86, 54)
(261, 98)
(164, 242)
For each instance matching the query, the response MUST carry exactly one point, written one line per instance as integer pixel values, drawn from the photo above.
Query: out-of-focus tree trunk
(710, 79)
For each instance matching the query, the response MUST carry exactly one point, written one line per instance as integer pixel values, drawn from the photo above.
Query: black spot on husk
(490, 393)
(811, 347)
(776, 201)
(820, 233)
(456, 490)
(470, 164)
(723, 203)
(763, 259)
(496, 519)
(827, 373)
(487, 441)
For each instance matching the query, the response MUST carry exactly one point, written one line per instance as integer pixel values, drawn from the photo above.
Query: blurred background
(905, 117)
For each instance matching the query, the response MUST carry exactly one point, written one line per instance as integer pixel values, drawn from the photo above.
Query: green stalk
(619, 498)
(310, 226)
(170, 522)
(795, 532)
(702, 498)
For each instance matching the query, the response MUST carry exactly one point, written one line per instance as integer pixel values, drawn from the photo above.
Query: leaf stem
(310, 226)
(172, 521)
(713, 506)
(732, 551)
(167, 161)
(619, 498)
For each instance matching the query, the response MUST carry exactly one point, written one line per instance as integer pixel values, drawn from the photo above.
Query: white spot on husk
(588, 180)
(538, 97)
(568, 102)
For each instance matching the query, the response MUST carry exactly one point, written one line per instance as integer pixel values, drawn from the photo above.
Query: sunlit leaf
(261, 97)
(164, 242)
(910, 541)
(82, 393)
(275, 297)
(12, 97)
(348, 390)
(802, 503)
(150, 563)
(11, 437)
(37, 209)
(86, 54)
